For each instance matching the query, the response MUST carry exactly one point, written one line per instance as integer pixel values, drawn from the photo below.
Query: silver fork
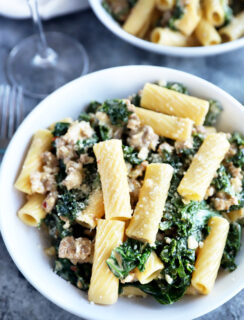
(11, 113)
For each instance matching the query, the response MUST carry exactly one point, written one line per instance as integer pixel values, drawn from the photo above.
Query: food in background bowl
(179, 22)
(140, 194)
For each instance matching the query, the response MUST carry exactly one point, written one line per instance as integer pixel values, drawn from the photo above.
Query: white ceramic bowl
(113, 26)
(25, 244)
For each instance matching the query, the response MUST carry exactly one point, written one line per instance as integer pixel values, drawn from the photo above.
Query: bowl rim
(68, 87)
(200, 51)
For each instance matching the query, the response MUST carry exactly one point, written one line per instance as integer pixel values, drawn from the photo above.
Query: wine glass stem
(42, 46)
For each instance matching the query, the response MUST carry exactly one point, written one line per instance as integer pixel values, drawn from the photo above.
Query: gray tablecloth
(18, 299)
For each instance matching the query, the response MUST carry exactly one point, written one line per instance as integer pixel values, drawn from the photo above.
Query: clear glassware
(45, 61)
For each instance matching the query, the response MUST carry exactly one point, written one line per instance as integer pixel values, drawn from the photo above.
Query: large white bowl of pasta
(175, 27)
(164, 257)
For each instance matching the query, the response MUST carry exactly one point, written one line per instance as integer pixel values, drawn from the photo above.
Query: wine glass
(45, 61)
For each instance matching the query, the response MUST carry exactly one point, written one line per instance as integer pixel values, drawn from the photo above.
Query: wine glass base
(39, 77)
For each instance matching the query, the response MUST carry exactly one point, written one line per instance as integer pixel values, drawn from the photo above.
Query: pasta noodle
(203, 166)
(190, 19)
(149, 209)
(167, 37)
(209, 256)
(130, 292)
(113, 173)
(40, 143)
(165, 4)
(214, 12)
(94, 210)
(168, 101)
(104, 285)
(207, 34)
(153, 267)
(140, 17)
(234, 30)
(236, 215)
(166, 126)
(32, 212)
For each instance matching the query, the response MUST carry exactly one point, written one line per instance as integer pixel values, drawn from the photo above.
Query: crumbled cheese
(168, 279)
(167, 240)
(192, 243)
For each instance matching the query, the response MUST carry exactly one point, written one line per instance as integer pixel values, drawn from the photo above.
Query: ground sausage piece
(74, 175)
(50, 201)
(78, 250)
(224, 201)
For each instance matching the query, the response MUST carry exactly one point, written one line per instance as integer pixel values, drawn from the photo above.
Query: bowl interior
(25, 244)
(113, 26)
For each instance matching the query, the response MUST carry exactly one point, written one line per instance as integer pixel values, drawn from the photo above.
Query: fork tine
(19, 107)
(4, 113)
(11, 111)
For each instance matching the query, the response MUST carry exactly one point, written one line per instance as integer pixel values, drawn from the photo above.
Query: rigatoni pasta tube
(209, 256)
(214, 12)
(206, 34)
(104, 286)
(139, 17)
(94, 210)
(190, 18)
(234, 30)
(41, 142)
(165, 4)
(32, 212)
(168, 37)
(153, 267)
(204, 165)
(236, 215)
(166, 126)
(130, 292)
(168, 101)
(113, 174)
(149, 209)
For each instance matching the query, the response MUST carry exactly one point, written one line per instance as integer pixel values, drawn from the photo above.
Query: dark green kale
(178, 13)
(228, 15)
(186, 152)
(60, 129)
(136, 100)
(222, 181)
(128, 256)
(61, 175)
(237, 138)
(213, 114)
(232, 247)
(179, 87)
(79, 275)
(70, 203)
(83, 116)
(93, 106)
(238, 158)
(55, 227)
(131, 155)
(117, 111)
(83, 146)
(104, 132)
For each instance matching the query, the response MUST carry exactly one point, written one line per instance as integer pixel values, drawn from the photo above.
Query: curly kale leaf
(238, 158)
(117, 111)
(79, 274)
(213, 114)
(104, 132)
(70, 203)
(228, 14)
(83, 116)
(136, 100)
(178, 13)
(128, 256)
(237, 138)
(93, 106)
(232, 247)
(61, 175)
(222, 181)
(131, 155)
(55, 227)
(176, 86)
(83, 146)
(60, 129)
